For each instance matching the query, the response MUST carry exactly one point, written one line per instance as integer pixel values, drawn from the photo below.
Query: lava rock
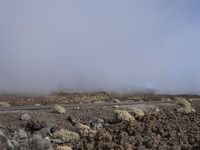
(9, 145)
(38, 143)
(66, 135)
(73, 120)
(85, 130)
(57, 141)
(34, 125)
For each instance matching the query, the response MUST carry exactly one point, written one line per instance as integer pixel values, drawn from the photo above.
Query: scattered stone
(123, 115)
(166, 99)
(138, 112)
(25, 117)
(63, 148)
(22, 134)
(76, 108)
(37, 105)
(38, 143)
(116, 101)
(98, 126)
(73, 120)
(116, 106)
(85, 130)
(57, 141)
(4, 104)
(66, 135)
(59, 109)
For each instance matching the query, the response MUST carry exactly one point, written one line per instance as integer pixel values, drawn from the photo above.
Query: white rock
(59, 109)
(25, 117)
(123, 115)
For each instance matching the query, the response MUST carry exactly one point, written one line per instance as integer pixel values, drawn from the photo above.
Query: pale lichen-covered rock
(183, 102)
(25, 117)
(116, 101)
(138, 112)
(123, 115)
(66, 135)
(59, 109)
(4, 104)
(85, 130)
(63, 148)
(116, 106)
(187, 108)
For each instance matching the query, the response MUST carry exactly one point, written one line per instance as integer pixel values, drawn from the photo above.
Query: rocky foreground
(174, 126)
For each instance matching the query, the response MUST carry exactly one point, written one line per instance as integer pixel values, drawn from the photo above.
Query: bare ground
(166, 129)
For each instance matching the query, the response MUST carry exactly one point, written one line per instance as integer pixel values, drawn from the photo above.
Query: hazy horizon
(100, 45)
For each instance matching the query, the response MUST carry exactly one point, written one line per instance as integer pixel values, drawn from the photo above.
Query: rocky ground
(171, 126)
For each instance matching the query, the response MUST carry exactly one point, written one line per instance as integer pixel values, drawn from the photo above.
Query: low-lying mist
(111, 45)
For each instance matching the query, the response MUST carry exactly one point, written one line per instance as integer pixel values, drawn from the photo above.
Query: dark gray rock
(34, 125)
(73, 120)
(42, 132)
(38, 143)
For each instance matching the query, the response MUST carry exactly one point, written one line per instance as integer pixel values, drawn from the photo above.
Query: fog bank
(99, 45)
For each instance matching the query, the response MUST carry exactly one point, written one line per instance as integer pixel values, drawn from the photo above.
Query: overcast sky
(100, 45)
